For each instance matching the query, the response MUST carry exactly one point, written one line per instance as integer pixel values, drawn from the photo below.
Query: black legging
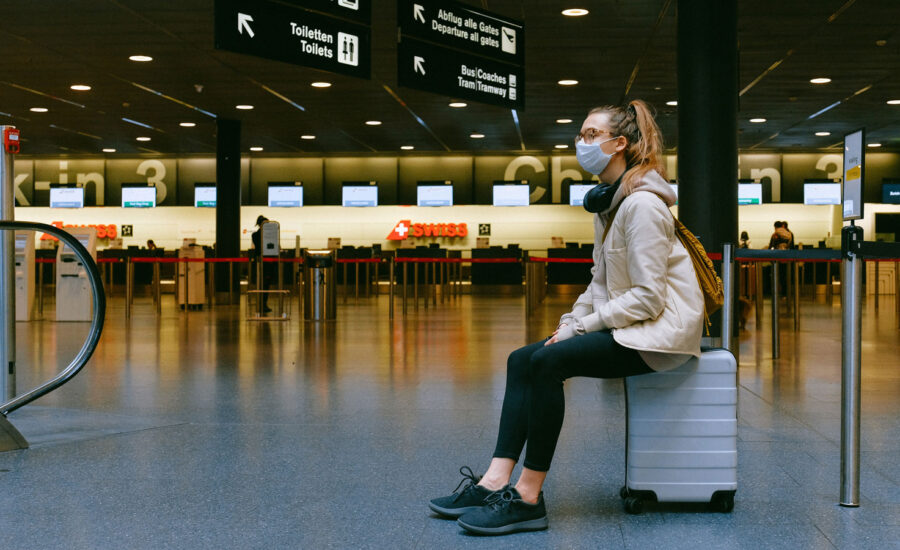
(534, 404)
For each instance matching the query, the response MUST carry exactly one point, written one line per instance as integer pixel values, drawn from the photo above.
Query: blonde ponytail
(643, 153)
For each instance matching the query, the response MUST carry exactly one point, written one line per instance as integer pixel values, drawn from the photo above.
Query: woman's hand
(553, 339)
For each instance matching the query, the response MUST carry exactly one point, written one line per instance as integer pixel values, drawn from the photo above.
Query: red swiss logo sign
(405, 229)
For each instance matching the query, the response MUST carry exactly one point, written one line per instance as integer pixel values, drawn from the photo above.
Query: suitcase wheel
(722, 502)
(634, 505)
(623, 492)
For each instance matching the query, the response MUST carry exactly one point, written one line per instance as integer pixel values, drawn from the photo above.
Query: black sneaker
(505, 512)
(471, 497)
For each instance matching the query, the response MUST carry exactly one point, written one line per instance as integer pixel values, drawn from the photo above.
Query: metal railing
(99, 314)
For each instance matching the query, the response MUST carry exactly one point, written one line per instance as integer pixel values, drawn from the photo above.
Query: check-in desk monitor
(511, 194)
(73, 288)
(355, 194)
(138, 195)
(749, 193)
(434, 193)
(66, 196)
(890, 192)
(285, 194)
(822, 193)
(24, 275)
(205, 195)
(577, 191)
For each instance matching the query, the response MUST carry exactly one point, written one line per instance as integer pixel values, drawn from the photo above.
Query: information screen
(822, 193)
(205, 196)
(577, 191)
(67, 197)
(749, 193)
(511, 195)
(890, 193)
(434, 195)
(285, 195)
(138, 197)
(359, 195)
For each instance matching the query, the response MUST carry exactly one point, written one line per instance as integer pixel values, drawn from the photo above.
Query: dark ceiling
(49, 45)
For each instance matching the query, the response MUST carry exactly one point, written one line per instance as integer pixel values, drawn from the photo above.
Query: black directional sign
(283, 33)
(431, 68)
(460, 26)
(357, 10)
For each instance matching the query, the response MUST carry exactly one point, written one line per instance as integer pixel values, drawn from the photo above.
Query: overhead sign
(431, 68)
(357, 10)
(293, 35)
(854, 168)
(460, 26)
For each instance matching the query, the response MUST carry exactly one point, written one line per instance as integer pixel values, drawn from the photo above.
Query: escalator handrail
(99, 301)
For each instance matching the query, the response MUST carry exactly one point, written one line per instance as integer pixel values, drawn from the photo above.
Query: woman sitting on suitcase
(641, 312)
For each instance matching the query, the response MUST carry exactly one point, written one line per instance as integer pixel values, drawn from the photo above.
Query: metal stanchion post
(356, 281)
(345, 283)
(416, 285)
(210, 284)
(404, 287)
(230, 282)
(829, 284)
(259, 286)
(776, 343)
(897, 291)
(875, 283)
(758, 278)
(796, 295)
(434, 270)
(391, 288)
(156, 288)
(41, 288)
(129, 287)
(728, 287)
(851, 358)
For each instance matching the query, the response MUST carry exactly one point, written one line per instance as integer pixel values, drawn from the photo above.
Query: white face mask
(591, 157)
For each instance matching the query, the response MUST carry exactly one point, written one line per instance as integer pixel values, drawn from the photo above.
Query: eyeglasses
(590, 134)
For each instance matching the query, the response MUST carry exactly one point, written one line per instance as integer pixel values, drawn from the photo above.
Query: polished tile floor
(203, 430)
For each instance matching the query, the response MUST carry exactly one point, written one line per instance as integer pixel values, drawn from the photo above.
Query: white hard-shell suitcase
(681, 439)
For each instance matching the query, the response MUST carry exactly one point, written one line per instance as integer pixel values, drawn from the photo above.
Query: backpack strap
(612, 216)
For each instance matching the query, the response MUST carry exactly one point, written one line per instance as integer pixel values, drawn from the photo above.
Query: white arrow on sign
(419, 64)
(244, 21)
(419, 12)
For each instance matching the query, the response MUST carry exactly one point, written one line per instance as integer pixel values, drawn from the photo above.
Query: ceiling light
(256, 149)
(244, 107)
(373, 123)
(142, 138)
(575, 12)
(38, 109)
(874, 145)
(187, 124)
(823, 134)
(893, 102)
(568, 82)
(672, 103)
(881, 43)
(109, 150)
(141, 58)
(476, 136)
(307, 136)
(564, 121)
(757, 120)
(458, 104)
(80, 87)
(407, 147)
(321, 84)
(820, 80)
(561, 146)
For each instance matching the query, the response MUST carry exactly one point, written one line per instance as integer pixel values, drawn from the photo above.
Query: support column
(7, 278)
(707, 122)
(228, 204)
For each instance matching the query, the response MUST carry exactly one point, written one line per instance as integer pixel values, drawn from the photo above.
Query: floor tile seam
(788, 414)
(833, 545)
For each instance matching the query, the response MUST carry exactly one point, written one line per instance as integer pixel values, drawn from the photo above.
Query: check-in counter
(24, 275)
(73, 289)
(494, 274)
(578, 274)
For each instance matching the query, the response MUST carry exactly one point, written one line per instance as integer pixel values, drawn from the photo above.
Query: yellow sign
(854, 173)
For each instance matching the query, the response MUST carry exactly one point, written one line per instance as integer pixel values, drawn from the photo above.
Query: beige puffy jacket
(643, 287)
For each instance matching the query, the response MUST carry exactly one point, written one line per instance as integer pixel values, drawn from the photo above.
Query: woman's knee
(517, 364)
(545, 365)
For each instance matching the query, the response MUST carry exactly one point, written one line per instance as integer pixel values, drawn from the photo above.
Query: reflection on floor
(203, 430)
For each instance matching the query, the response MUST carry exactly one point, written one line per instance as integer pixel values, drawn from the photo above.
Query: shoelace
(500, 500)
(468, 476)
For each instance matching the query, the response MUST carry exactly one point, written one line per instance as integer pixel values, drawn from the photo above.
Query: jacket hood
(652, 182)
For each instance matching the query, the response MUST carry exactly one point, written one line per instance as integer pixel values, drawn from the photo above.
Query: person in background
(790, 233)
(267, 269)
(641, 312)
(745, 240)
(151, 245)
(780, 239)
